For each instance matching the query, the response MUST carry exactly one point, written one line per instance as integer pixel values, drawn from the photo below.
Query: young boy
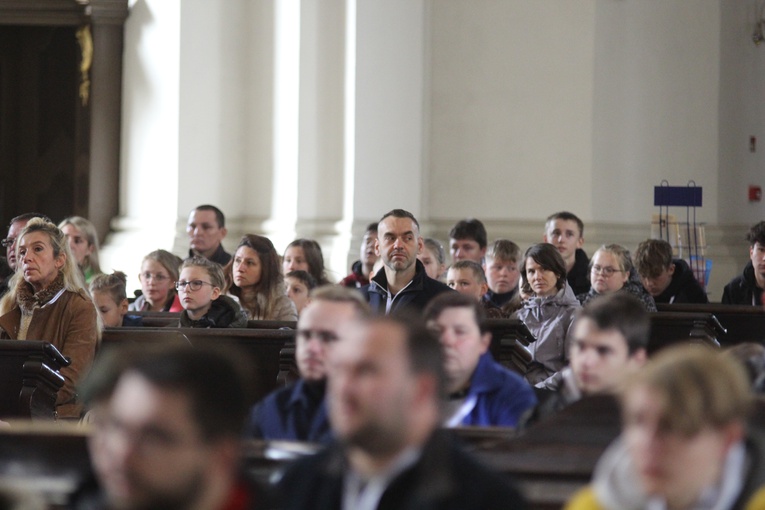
(565, 231)
(467, 240)
(668, 280)
(467, 277)
(299, 285)
(502, 273)
(199, 288)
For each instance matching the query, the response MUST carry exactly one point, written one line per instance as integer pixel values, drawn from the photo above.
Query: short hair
(340, 294)
(547, 256)
(400, 213)
(423, 349)
(475, 267)
(372, 227)
(214, 271)
(652, 257)
(756, 234)
(88, 230)
(566, 216)
(28, 216)
(304, 277)
(169, 261)
(435, 247)
(313, 257)
(113, 284)
(621, 312)
(214, 381)
(504, 249)
(470, 228)
(698, 387)
(619, 252)
(445, 300)
(219, 216)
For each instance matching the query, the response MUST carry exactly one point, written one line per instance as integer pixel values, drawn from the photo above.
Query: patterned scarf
(28, 299)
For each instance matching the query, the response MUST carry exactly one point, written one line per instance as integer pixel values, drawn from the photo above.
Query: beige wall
(305, 121)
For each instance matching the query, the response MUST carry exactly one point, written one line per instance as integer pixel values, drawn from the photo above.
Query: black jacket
(415, 297)
(444, 478)
(743, 289)
(684, 288)
(579, 276)
(224, 312)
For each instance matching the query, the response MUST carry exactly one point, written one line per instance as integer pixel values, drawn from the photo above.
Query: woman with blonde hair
(611, 270)
(83, 243)
(47, 300)
(253, 276)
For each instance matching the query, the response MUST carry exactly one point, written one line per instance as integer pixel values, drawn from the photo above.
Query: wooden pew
(170, 319)
(262, 346)
(29, 379)
(742, 323)
(670, 328)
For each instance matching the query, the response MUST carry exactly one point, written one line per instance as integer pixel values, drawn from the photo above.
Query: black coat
(743, 289)
(415, 297)
(684, 287)
(444, 478)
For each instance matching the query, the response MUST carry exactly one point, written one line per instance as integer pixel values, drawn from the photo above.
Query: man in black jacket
(385, 395)
(666, 279)
(402, 281)
(747, 288)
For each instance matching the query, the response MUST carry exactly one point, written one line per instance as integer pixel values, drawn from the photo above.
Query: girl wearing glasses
(200, 287)
(159, 272)
(611, 271)
(549, 310)
(253, 277)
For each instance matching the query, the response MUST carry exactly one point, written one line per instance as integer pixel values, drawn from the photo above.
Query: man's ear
(638, 358)
(420, 246)
(224, 231)
(215, 293)
(671, 269)
(377, 247)
(485, 342)
(580, 242)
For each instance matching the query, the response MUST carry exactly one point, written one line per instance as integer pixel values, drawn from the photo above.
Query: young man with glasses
(200, 288)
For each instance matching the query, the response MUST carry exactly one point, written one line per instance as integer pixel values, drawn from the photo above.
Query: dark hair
(313, 257)
(756, 234)
(219, 217)
(446, 300)
(652, 257)
(28, 216)
(423, 348)
(372, 227)
(212, 380)
(547, 256)
(566, 216)
(304, 276)
(401, 213)
(270, 272)
(622, 312)
(470, 228)
(475, 267)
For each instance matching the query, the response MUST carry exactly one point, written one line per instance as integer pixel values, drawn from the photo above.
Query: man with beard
(298, 412)
(167, 426)
(385, 393)
(402, 281)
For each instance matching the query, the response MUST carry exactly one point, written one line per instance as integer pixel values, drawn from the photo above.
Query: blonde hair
(214, 271)
(113, 284)
(698, 387)
(73, 279)
(167, 260)
(91, 236)
(620, 253)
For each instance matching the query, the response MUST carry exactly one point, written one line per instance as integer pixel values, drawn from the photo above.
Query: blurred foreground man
(385, 388)
(167, 432)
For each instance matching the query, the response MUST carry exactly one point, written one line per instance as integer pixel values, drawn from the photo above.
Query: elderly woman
(253, 276)
(548, 312)
(611, 271)
(47, 301)
(83, 244)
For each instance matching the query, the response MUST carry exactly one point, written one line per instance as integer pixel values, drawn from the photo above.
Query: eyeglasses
(194, 285)
(8, 242)
(605, 271)
(157, 277)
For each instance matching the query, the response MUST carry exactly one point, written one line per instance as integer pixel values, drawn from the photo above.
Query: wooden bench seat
(742, 323)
